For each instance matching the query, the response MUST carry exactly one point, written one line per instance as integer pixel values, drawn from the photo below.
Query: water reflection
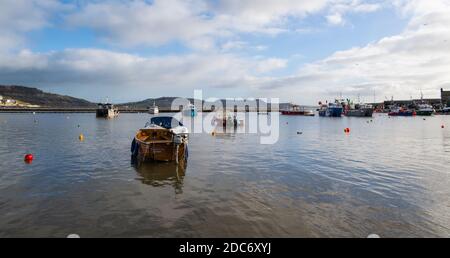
(161, 174)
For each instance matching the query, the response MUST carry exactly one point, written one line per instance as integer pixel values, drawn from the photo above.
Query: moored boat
(425, 110)
(331, 109)
(359, 110)
(190, 110)
(154, 110)
(296, 110)
(162, 139)
(402, 112)
(107, 110)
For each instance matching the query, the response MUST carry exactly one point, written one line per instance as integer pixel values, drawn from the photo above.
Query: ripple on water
(389, 177)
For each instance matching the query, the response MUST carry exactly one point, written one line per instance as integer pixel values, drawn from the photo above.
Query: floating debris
(299, 133)
(73, 236)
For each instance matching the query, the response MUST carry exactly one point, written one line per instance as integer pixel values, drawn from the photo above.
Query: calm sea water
(390, 177)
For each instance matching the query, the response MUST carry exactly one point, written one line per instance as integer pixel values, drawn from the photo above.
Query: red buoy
(347, 130)
(28, 158)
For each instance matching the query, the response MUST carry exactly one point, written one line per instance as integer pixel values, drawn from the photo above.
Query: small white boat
(154, 110)
(190, 110)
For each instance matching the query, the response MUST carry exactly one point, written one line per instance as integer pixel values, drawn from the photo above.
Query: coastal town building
(445, 98)
(7, 102)
(411, 102)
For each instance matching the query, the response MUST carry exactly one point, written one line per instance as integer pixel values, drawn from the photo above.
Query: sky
(301, 51)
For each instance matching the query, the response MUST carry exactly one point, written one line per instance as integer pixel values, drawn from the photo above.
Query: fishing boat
(331, 109)
(359, 110)
(425, 110)
(190, 110)
(296, 110)
(162, 139)
(107, 110)
(397, 111)
(154, 110)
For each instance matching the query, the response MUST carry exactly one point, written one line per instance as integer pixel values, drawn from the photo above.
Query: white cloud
(271, 64)
(339, 8)
(418, 58)
(199, 23)
(140, 23)
(335, 19)
(265, 16)
(400, 66)
(93, 70)
(20, 16)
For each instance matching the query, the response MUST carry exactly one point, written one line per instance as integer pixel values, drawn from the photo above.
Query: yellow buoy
(81, 137)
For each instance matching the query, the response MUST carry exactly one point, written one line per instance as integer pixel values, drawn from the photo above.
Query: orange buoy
(28, 158)
(81, 137)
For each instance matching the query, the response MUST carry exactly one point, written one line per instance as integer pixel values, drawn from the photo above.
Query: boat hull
(159, 145)
(153, 111)
(165, 152)
(425, 113)
(190, 112)
(406, 113)
(331, 112)
(297, 113)
(360, 113)
(107, 113)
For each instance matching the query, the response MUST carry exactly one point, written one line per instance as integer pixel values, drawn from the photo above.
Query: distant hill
(163, 102)
(166, 103)
(35, 96)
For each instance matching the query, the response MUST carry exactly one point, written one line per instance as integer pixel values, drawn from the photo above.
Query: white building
(7, 102)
